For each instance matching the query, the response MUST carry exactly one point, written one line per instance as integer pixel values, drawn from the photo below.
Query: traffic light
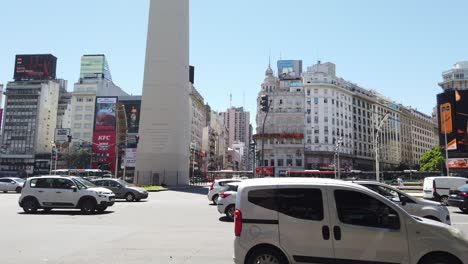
(252, 147)
(69, 138)
(137, 138)
(264, 103)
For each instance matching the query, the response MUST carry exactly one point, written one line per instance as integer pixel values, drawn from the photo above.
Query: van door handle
(58, 192)
(326, 232)
(337, 232)
(40, 191)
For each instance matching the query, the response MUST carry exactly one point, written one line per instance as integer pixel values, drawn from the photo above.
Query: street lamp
(445, 109)
(338, 145)
(376, 146)
(52, 156)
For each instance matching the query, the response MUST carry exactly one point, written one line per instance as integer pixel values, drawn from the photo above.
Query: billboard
(61, 135)
(132, 110)
(453, 120)
(130, 157)
(35, 67)
(104, 150)
(289, 69)
(457, 163)
(105, 118)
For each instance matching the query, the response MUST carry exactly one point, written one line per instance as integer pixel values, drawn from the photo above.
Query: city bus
(311, 173)
(228, 174)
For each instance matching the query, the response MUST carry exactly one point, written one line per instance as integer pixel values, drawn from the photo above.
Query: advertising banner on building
(289, 69)
(105, 118)
(92, 66)
(132, 110)
(130, 157)
(104, 150)
(460, 163)
(35, 67)
(453, 120)
(61, 135)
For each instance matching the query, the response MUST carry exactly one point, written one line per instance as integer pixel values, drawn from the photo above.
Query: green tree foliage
(80, 159)
(432, 160)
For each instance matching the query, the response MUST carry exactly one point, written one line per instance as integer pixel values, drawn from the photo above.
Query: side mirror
(12, 182)
(74, 188)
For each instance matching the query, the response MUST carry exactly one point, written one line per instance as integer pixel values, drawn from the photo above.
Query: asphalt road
(171, 227)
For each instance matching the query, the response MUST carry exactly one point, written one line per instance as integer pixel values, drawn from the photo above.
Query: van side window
(264, 198)
(356, 208)
(303, 203)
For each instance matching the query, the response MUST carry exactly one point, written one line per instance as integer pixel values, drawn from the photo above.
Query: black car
(459, 198)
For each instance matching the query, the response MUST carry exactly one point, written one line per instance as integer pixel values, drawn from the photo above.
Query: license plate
(453, 195)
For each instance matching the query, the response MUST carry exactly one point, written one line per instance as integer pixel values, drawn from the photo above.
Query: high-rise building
(282, 137)
(452, 113)
(237, 122)
(30, 116)
(95, 80)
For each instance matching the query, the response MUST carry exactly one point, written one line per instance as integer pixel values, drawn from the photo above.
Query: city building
(282, 136)
(30, 116)
(237, 121)
(452, 113)
(95, 80)
(214, 142)
(197, 124)
(333, 119)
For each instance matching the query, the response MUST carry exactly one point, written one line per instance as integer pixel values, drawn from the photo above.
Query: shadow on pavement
(203, 190)
(66, 212)
(125, 201)
(225, 219)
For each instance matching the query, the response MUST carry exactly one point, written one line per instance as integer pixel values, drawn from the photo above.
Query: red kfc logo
(102, 138)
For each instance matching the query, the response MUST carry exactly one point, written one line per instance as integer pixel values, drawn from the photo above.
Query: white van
(310, 220)
(438, 188)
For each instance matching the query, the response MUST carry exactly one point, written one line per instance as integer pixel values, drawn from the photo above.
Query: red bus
(311, 173)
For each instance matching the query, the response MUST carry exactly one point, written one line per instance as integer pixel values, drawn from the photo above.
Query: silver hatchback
(11, 184)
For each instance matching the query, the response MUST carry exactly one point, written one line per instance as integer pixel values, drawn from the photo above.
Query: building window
(79, 99)
(89, 108)
(316, 140)
(280, 162)
(316, 100)
(78, 117)
(308, 91)
(77, 125)
(88, 117)
(79, 108)
(298, 162)
(89, 100)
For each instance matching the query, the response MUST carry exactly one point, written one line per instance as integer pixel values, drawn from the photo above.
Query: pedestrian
(400, 182)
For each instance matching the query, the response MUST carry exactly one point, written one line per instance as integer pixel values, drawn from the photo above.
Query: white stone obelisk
(163, 148)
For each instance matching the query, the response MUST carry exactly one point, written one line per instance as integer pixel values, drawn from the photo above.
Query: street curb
(175, 188)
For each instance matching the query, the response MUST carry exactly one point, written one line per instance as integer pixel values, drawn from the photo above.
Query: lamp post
(338, 145)
(445, 109)
(376, 147)
(54, 147)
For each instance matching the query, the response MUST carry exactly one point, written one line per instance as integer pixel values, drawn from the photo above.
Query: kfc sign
(102, 138)
(104, 149)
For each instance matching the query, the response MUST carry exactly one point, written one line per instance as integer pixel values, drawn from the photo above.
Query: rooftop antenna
(230, 100)
(269, 59)
(243, 99)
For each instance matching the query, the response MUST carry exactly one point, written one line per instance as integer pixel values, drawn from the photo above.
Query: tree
(432, 160)
(79, 159)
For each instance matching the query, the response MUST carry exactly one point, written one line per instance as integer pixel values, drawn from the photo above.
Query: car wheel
(215, 199)
(230, 211)
(88, 206)
(444, 200)
(101, 208)
(30, 206)
(440, 259)
(18, 189)
(129, 197)
(464, 210)
(266, 256)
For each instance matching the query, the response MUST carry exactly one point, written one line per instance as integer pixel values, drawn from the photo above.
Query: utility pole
(338, 146)
(444, 110)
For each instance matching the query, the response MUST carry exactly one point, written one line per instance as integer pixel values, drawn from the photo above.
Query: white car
(11, 184)
(415, 206)
(438, 188)
(227, 200)
(49, 192)
(311, 220)
(219, 186)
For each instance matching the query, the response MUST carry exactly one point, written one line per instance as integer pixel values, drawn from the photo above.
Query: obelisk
(163, 148)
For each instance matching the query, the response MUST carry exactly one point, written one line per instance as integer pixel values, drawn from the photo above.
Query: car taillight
(237, 222)
(224, 195)
(211, 186)
(434, 187)
(464, 194)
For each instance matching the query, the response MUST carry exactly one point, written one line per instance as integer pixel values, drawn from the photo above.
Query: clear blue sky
(397, 47)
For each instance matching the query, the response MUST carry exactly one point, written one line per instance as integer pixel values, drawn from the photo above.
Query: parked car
(48, 192)
(227, 200)
(412, 205)
(459, 198)
(219, 186)
(312, 220)
(11, 184)
(123, 189)
(438, 188)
